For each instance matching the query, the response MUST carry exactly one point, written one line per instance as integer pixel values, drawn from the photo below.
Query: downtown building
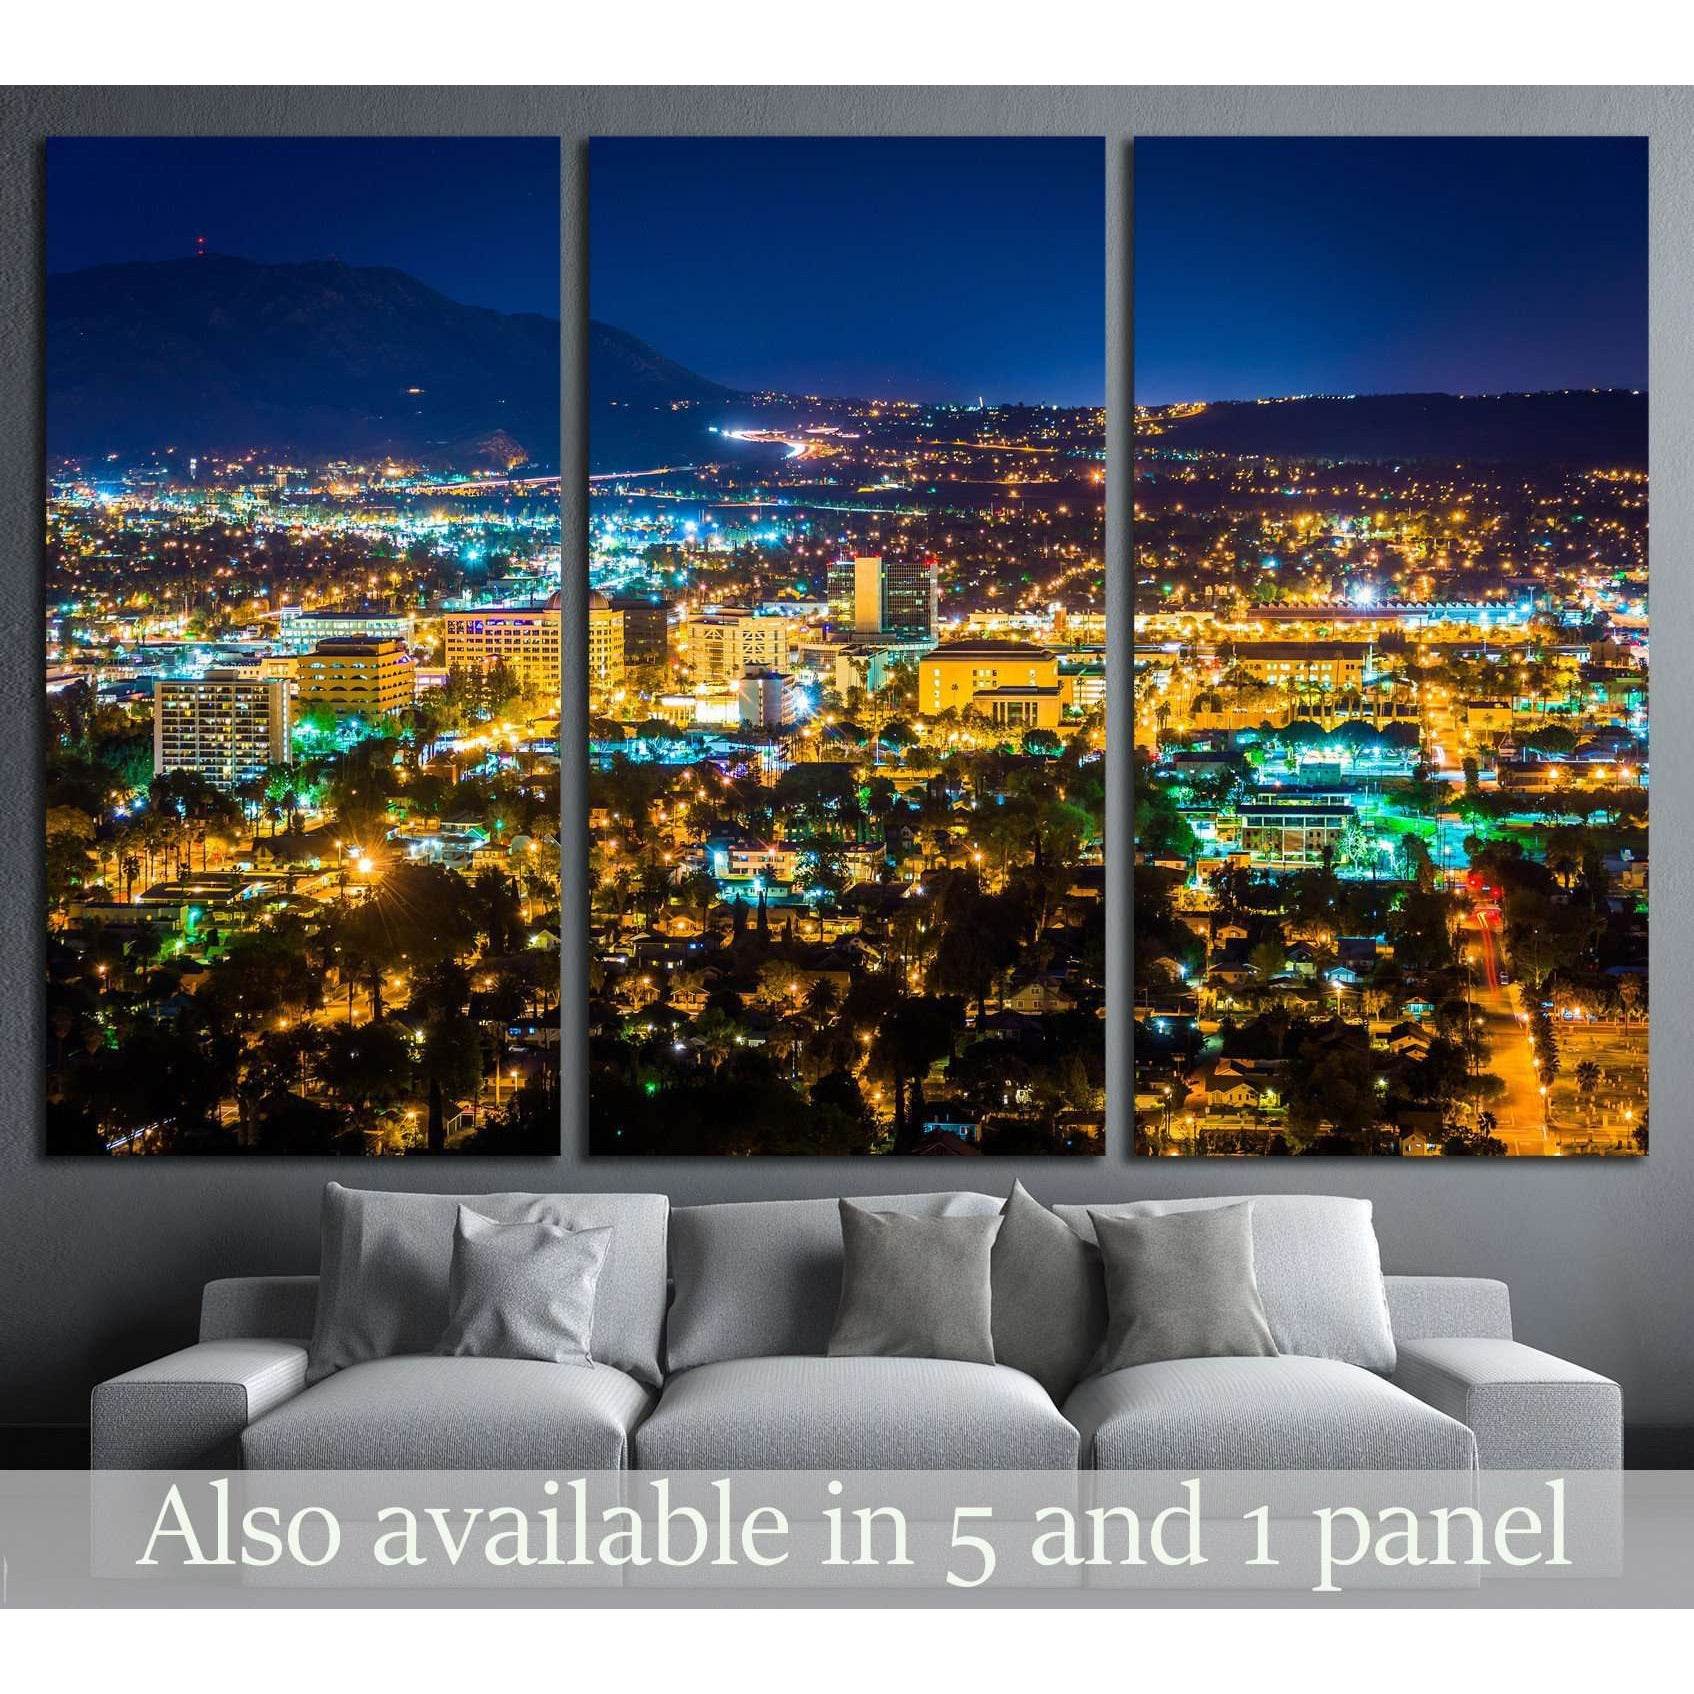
(302, 631)
(646, 630)
(875, 596)
(1320, 665)
(1014, 684)
(768, 700)
(1286, 833)
(721, 647)
(225, 726)
(607, 631)
(355, 678)
(525, 639)
(841, 666)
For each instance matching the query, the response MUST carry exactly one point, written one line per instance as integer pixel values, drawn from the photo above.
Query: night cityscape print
(302, 647)
(846, 647)
(1391, 638)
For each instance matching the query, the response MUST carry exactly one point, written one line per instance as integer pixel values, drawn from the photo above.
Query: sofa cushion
(453, 1414)
(1181, 1287)
(1316, 1262)
(387, 1258)
(854, 1414)
(1049, 1298)
(522, 1291)
(914, 1288)
(763, 1277)
(1287, 1413)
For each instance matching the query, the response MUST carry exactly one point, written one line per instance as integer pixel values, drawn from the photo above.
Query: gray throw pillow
(1049, 1299)
(522, 1291)
(914, 1287)
(1181, 1287)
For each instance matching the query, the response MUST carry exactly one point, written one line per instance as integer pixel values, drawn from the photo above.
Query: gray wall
(103, 1262)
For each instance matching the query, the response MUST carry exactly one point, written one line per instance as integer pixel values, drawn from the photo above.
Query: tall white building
(723, 646)
(225, 726)
(768, 700)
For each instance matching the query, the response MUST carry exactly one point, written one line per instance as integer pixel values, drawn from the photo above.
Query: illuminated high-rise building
(646, 637)
(878, 596)
(226, 726)
(523, 638)
(768, 700)
(607, 654)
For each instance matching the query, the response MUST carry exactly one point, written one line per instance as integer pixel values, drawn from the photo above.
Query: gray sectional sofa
(716, 1358)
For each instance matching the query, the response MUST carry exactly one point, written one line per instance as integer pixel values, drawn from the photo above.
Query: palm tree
(1587, 1080)
(716, 1034)
(913, 1035)
(251, 794)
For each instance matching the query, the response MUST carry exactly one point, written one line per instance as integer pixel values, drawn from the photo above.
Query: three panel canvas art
(827, 676)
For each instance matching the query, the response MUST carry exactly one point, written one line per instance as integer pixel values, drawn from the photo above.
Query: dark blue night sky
(476, 218)
(934, 269)
(1472, 265)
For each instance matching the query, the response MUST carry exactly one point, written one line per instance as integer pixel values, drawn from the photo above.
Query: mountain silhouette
(624, 370)
(1598, 427)
(318, 360)
(646, 409)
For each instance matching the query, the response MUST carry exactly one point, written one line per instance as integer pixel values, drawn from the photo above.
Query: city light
(1391, 826)
(846, 792)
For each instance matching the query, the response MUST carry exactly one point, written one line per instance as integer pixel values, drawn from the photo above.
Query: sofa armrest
(189, 1408)
(239, 1308)
(1420, 1307)
(1527, 1409)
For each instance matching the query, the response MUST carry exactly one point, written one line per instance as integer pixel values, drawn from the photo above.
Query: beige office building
(356, 678)
(526, 639)
(605, 645)
(1302, 664)
(950, 677)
